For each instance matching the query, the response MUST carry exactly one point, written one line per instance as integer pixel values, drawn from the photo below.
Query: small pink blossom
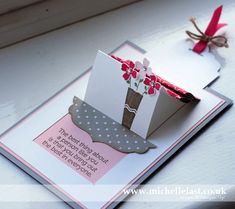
(144, 69)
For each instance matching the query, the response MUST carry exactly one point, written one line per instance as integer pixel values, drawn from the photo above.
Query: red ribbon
(211, 29)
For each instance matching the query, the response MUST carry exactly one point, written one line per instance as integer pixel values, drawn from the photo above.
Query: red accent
(170, 88)
(124, 66)
(158, 86)
(130, 63)
(117, 58)
(211, 29)
(148, 82)
(126, 76)
(173, 94)
(128, 67)
(134, 73)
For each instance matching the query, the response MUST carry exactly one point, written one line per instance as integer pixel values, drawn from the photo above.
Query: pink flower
(144, 69)
(151, 81)
(129, 68)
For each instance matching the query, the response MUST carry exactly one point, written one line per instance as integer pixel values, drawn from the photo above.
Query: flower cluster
(142, 74)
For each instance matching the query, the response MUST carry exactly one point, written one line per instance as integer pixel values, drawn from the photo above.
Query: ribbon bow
(208, 36)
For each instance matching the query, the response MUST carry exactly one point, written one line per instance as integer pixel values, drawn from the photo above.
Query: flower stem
(140, 81)
(145, 90)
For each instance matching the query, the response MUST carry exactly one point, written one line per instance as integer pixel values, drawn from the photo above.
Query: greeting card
(137, 106)
(133, 96)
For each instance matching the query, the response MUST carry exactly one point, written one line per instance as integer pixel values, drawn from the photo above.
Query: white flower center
(152, 83)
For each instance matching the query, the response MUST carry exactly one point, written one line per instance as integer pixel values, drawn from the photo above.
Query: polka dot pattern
(104, 129)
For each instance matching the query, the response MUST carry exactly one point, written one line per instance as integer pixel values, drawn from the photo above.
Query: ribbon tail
(220, 25)
(211, 28)
(200, 47)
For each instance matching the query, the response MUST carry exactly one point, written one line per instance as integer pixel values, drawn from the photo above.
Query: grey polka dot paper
(104, 129)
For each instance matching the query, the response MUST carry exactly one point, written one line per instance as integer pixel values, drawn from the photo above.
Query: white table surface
(32, 71)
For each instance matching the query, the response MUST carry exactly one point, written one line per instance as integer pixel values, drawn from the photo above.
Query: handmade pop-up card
(116, 124)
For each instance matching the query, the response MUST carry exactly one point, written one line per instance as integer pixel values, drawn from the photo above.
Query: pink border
(41, 175)
(163, 154)
(57, 187)
(8, 150)
(131, 182)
